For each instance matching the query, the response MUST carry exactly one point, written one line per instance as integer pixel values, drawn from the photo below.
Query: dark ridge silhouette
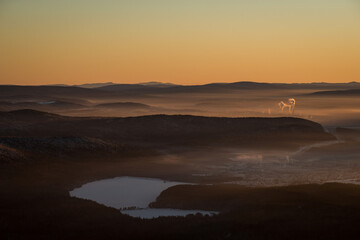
(342, 93)
(160, 130)
(48, 91)
(124, 105)
(26, 116)
(110, 90)
(40, 105)
(159, 84)
(94, 85)
(126, 87)
(220, 87)
(322, 85)
(218, 196)
(348, 133)
(213, 87)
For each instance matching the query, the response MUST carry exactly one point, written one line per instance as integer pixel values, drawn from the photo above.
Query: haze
(184, 42)
(179, 119)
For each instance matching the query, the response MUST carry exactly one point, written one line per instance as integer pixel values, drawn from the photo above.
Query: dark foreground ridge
(60, 153)
(165, 130)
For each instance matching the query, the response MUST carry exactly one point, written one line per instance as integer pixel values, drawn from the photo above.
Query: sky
(179, 41)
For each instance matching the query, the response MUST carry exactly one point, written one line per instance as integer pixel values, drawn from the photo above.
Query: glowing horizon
(181, 42)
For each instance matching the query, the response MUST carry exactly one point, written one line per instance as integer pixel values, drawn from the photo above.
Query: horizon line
(174, 84)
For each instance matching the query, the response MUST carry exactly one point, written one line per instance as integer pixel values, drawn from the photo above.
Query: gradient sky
(179, 41)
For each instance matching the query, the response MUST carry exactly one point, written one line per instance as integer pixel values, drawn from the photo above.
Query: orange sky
(185, 42)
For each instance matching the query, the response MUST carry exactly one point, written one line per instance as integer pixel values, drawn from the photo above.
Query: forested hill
(157, 130)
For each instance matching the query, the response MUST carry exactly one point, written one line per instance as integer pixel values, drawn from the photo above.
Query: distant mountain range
(242, 84)
(98, 85)
(110, 90)
(146, 89)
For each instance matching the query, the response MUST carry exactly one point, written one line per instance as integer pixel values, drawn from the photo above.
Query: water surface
(123, 192)
(132, 192)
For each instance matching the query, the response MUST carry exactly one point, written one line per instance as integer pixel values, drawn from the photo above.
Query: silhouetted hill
(126, 87)
(222, 197)
(94, 85)
(322, 85)
(110, 90)
(348, 134)
(221, 87)
(48, 91)
(26, 116)
(124, 105)
(158, 84)
(160, 130)
(342, 93)
(213, 87)
(41, 105)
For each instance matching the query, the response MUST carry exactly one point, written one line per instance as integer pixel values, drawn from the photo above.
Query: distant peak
(95, 85)
(157, 84)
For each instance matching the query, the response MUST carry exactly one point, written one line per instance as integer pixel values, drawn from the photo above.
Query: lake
(132, 192)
